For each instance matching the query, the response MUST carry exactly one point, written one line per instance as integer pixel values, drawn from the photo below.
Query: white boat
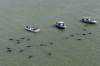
(60, 24)
(88, 20)
(32, 29)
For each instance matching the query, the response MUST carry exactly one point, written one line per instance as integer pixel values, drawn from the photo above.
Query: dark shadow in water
(42, 45)
(28, 39)
(89, 33)
(66, 38)
(72, 35)
(79, 39)
(30, 56)
(51, 43)
(11, 39)
(21, 50)
(28, 46)
(49, 53)
(9, 50)
(77, 33)
(84, 29)
(83, 34)
(17, 42)
(23, 38)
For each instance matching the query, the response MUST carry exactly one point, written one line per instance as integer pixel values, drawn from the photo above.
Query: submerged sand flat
(77, 45)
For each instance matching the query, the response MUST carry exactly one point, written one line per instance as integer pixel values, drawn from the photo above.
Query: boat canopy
(60, 22)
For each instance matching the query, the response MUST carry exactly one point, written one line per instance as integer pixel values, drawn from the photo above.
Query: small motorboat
(31, 29)
(88, 20)
(60, 24)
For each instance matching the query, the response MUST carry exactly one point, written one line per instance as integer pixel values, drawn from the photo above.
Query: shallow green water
(58, 51)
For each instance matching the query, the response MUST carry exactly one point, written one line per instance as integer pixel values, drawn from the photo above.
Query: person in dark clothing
(26, 26)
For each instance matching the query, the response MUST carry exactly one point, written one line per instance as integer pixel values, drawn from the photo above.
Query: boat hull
(89, 21)
(29, 29)
(62, 27)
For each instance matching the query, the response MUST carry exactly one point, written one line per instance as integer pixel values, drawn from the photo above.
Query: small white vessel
(60, 24)
(32, 29)
(88, 20)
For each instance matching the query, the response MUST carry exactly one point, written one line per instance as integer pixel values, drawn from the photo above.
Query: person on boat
(59, 24)
(87, 18)
(63, 24)
(31, 28)
(27, 27)
(35, 28)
